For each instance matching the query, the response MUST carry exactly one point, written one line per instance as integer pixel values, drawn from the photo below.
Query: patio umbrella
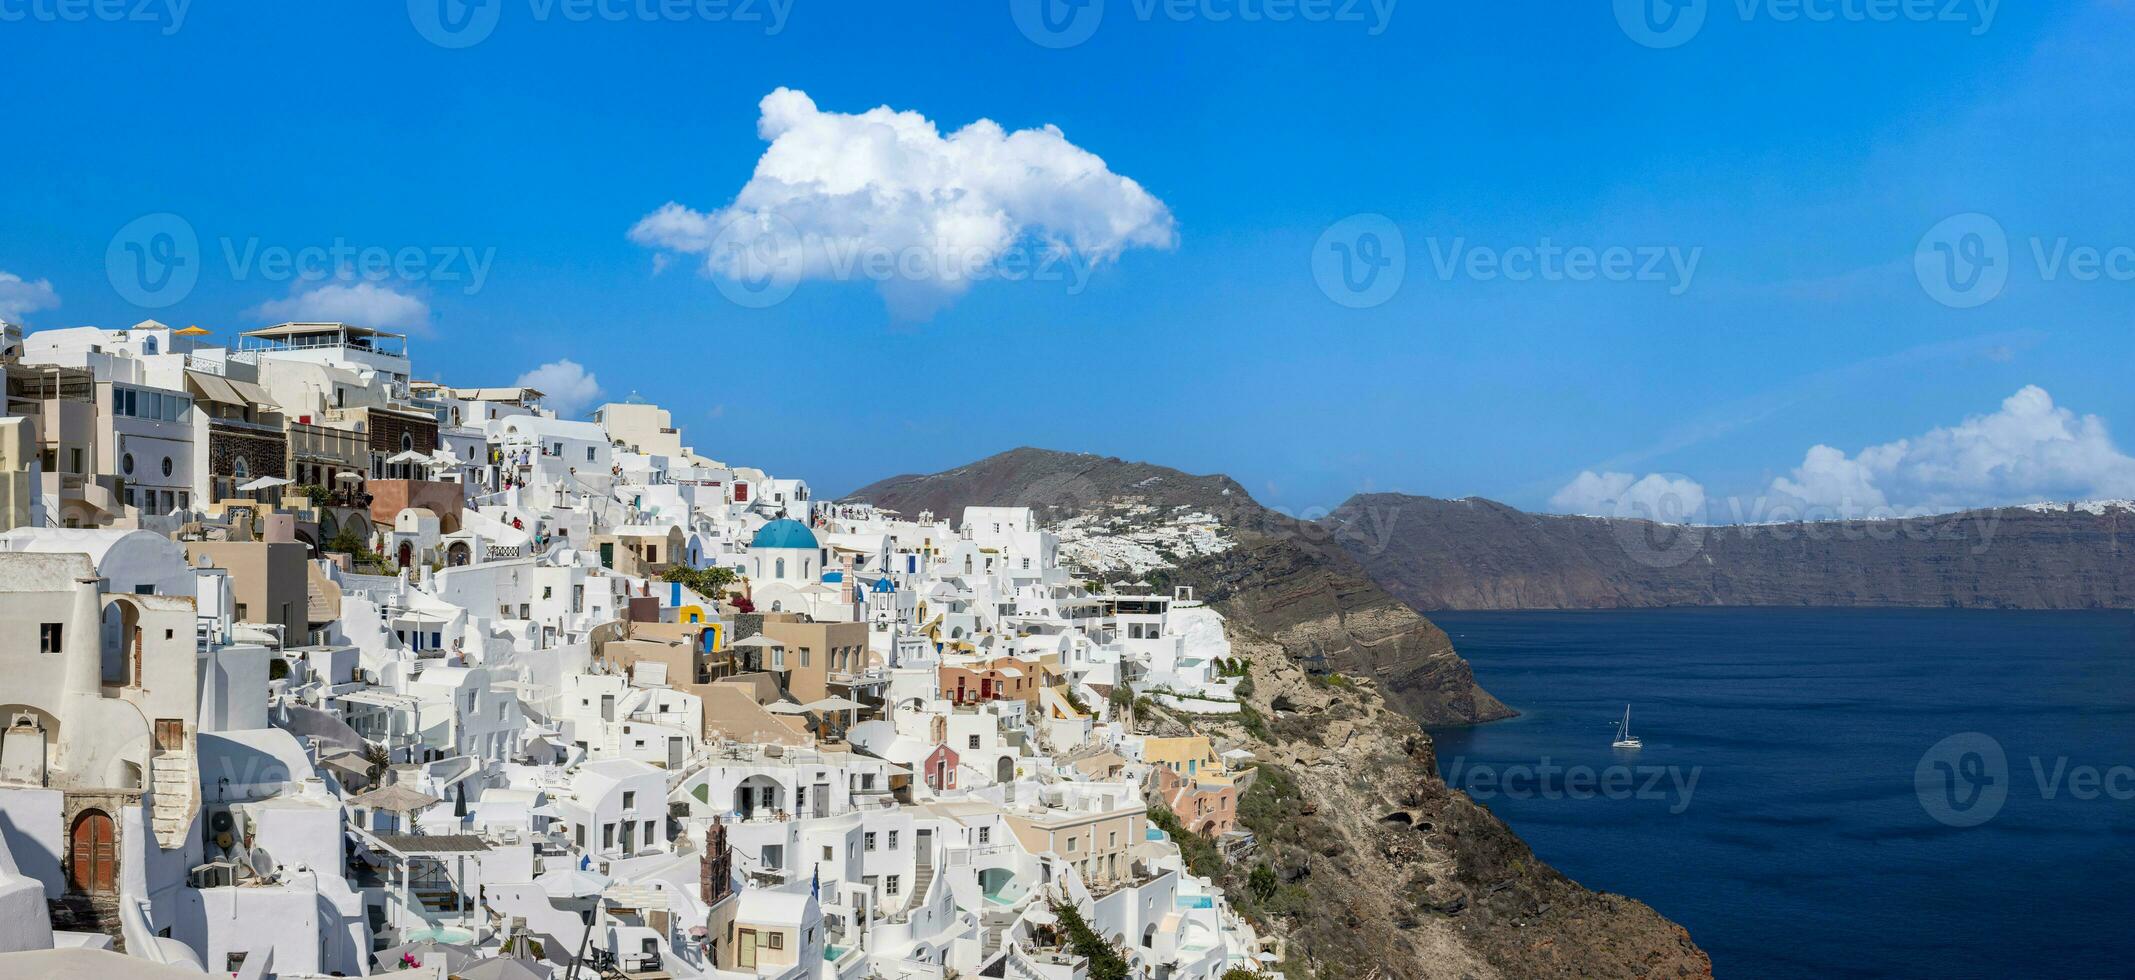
(425, 953)
(348, 476)
(758, 641)
(834, 703)
(572, 883)
(502, 968)
(785, 708)
(263, 483)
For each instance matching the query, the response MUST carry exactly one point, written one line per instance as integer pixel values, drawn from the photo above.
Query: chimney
(717, 866)
(83, 642)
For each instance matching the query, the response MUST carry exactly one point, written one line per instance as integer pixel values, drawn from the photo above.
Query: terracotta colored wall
(390, 497)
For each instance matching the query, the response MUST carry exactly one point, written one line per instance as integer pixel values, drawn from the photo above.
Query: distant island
(1475, 554)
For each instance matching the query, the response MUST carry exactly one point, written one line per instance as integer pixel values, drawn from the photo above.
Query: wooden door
(745, 951)
(94, 858)
(170, 734)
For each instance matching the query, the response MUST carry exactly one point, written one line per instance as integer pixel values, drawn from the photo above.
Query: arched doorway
(756, 794)
(407, 554)
(93, 857)
(458, 554)
(1004, 771)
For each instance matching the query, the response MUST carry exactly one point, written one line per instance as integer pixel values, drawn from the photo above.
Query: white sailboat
(1624, 738)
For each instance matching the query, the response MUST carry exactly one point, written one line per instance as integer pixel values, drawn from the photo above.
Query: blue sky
(1802, 164)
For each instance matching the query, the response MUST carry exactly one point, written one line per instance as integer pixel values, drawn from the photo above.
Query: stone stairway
(76, 912)
(921, 880)
(171, 785)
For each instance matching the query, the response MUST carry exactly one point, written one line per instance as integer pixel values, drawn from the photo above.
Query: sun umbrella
(571, 883)
(425, 953)
(502, 968)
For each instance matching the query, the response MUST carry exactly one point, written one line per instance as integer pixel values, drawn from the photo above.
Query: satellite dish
(262, 866)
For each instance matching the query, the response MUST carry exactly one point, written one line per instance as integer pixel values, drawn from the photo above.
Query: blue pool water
(1796, 805)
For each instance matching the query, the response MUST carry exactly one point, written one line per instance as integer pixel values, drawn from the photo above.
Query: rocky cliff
(1367, 865)
(1477, 554)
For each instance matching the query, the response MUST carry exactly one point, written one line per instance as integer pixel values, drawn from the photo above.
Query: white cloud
(365, 304)
(1654, 497)
(883, 195)
(2029, 450)
(20, 297)
(569, 386)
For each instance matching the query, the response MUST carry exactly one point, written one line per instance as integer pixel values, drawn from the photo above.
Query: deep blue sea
(1800, 804)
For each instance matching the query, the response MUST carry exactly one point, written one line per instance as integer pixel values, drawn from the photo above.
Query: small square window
(50, 638)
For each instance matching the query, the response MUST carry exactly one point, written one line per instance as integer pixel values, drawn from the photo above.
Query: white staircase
(171, 783)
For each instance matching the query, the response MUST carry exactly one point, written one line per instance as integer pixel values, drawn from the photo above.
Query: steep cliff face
(1286, 578)
(1367, 865)
(1476, 554)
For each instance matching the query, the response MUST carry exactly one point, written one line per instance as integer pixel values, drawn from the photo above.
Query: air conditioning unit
(214, 874)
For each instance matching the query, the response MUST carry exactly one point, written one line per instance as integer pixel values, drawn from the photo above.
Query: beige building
(642, 428)
(269, 581)
(1094, 828)
(79, 486)
(99, 705)
(817, 660)
(18, 472)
